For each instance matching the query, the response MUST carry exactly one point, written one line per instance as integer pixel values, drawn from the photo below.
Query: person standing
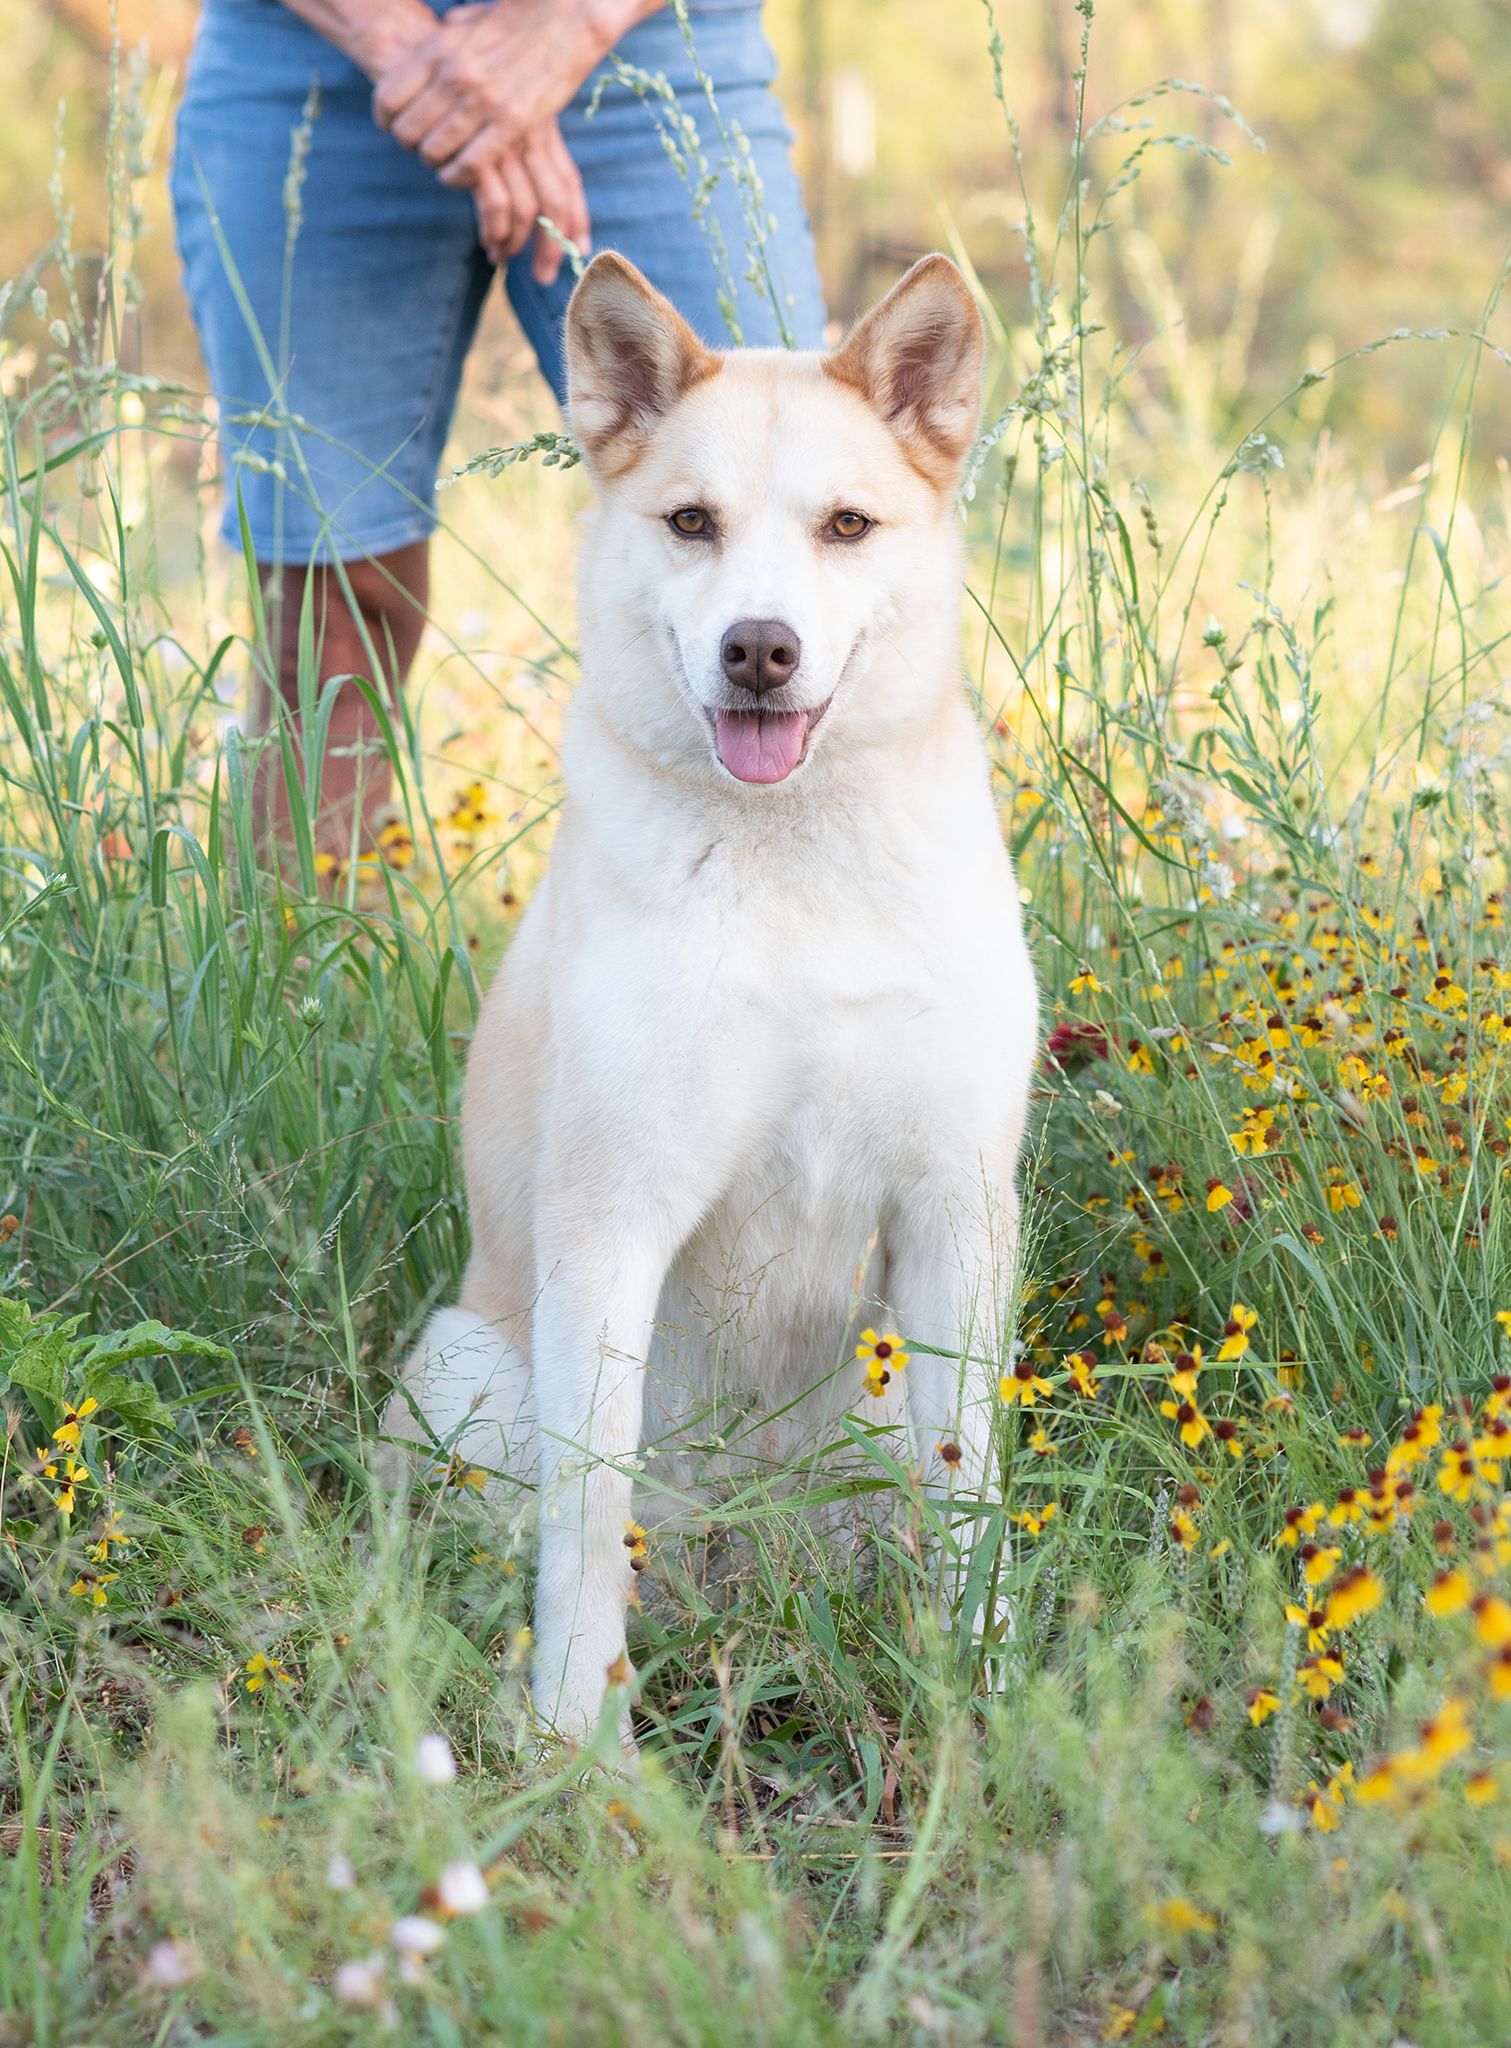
(348, 176)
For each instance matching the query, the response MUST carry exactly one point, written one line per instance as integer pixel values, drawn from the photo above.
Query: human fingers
(523, 199)
(398, 85)
(558, 187)
(495, 213)
(436, 104)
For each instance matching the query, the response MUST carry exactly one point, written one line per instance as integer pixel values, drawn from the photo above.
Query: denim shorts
(336, 283)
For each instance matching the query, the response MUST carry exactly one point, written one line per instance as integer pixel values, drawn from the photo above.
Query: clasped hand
(477, 98)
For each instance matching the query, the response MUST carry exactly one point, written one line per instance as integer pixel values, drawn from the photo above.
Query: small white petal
(433, 1762)
(360, 1982)
(462, 1888)
(339, 1873)
(414, 1935)
(172, 1964)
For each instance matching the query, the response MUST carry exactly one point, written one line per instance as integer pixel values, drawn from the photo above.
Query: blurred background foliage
(1381, 199)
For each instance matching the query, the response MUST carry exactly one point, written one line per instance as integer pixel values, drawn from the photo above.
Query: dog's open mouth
(764, 746)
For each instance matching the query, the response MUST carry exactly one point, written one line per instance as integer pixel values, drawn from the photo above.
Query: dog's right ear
(630, 357)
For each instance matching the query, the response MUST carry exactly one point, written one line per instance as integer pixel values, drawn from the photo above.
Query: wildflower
(1183, 1528)
(87, 1586)
(1139, 1061)
(1235, 1333)
(1023, 1384)
(1041, 1444)
(1342, 1193)
(396, 845)
(1440, 1742)
(461, 1888)
(1036, 1520)
(1313, 1620)
(69, 1431)
(1480, 1788)
(1178, 1916)
(1317, 1675)
(458, 1473)
(75, 1475)
(1458, 1475)
(636, 1545)
(1225, 1432)
(260, 1670)
(1498, 1674)
(416, 1938)
(1218, 1196)
(1300, 1523)
(111, 1536)
(1317, 1564)
(1356, 1594)
(1086, 983)
(1114, 1323)
(1325, 1802)
(1260, 1703)
(1188, 1365)
(1080, 1367)
(243, 1440)
(434, 1763)
(1449, 1593)
(881, 1357)
(1188, 1417)
(359, 1982)
(1492, 1620)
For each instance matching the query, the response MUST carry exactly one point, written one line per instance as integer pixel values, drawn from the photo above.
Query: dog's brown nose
(759, 654)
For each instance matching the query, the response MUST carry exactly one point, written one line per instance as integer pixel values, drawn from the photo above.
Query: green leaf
(133, 1402)
(41, 1366)
(143, 1340)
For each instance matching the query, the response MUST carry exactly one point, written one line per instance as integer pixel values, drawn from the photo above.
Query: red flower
(1072, 1043)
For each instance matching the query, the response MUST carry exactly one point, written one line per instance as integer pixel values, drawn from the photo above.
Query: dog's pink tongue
(760, 746)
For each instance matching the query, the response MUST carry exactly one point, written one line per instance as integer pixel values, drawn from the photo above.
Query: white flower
(414, 1935)
(462, 1888)
(360, 1982)
(172, 1964)
(339, 1873)
(433, 1762)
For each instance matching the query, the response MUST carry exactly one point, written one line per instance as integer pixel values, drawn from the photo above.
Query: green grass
(1252, 748)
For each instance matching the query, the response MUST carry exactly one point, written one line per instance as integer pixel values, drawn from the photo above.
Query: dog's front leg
(949, 1282)
(593, 1323)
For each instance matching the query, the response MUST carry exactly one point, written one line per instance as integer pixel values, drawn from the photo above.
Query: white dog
(769, 1022)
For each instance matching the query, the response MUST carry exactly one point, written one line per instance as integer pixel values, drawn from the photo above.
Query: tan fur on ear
(916, 358)
(630, 357)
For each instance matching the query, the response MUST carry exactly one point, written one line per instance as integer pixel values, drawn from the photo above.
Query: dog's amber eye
(692, 520)
(849, 525)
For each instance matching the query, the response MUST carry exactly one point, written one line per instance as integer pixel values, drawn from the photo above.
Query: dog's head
(768, 520)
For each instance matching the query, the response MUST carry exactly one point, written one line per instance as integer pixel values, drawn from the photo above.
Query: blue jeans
(335, 319)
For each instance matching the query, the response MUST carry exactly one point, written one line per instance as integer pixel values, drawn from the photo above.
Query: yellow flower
(1040, 1444)
(636, 1545)
(1023, 1385)
(91, 1587)
(1492, 1620)
(1261, 1703)
(1356, 1594)
(1036, 1521)
(881, 1357)
(1187, 1365)
(1449, 1593)
(1192, 1423)
(1300, 1523)
(1318, 1564)
(260, 1671)
(1313, 1620)
(1080, 1366)
(1480, 1788)
(68, 1430)
(1442, 1740)
(74, 1476)
(1086, 983)
(1317, 1675)
(1179, 1916)
(1183, 1528)
(1218, 1196)
(1235, 1333)
(1325, 1802)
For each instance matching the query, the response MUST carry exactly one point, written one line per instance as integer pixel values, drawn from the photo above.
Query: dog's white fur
(750, 1041)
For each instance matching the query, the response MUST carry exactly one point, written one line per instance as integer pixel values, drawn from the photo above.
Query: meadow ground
(1244, 1773)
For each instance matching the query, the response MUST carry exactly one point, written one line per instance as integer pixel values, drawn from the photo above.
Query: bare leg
(390, 594)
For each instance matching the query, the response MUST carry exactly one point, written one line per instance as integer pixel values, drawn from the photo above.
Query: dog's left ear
(630, 357)
(916, 358)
